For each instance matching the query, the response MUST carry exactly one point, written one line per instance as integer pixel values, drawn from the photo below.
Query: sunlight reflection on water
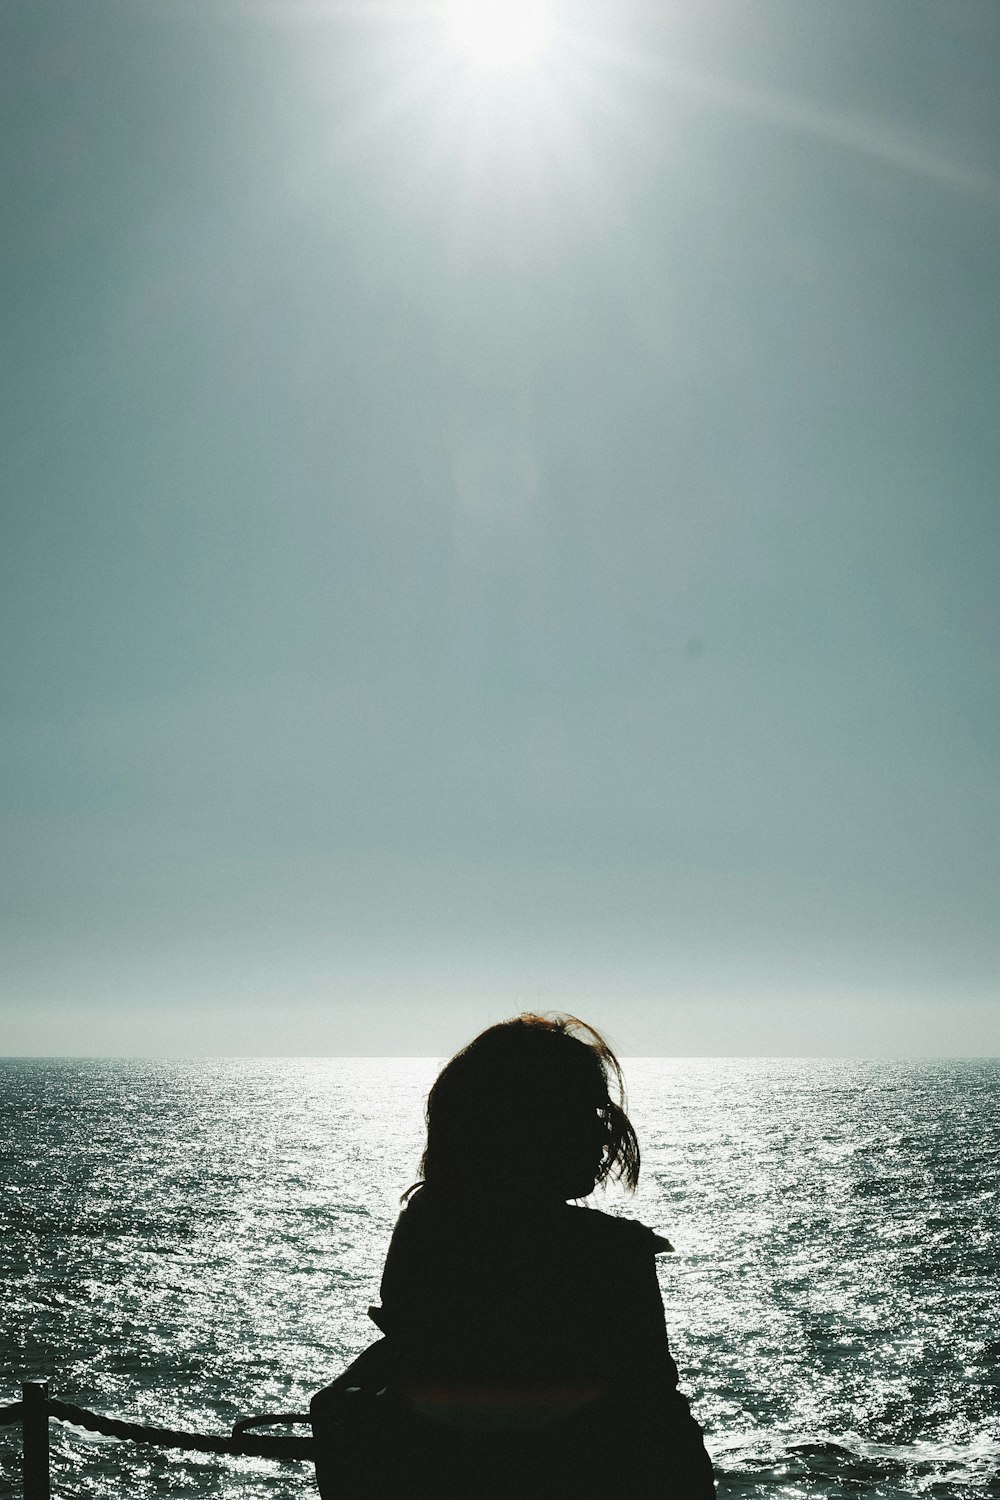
(193, 1241)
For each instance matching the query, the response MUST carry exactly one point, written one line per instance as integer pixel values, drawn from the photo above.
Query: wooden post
(35, 1426)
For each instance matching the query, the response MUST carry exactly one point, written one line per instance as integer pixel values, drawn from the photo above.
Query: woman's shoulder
(434, 1223)
(613, 1232)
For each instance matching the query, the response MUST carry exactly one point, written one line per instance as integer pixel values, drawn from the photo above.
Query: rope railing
(170, 1437)
(36, 1407)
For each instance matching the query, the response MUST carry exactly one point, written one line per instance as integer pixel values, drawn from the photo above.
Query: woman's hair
(529, 1103)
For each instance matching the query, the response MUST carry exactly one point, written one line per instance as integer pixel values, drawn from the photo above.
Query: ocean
(188, 1242)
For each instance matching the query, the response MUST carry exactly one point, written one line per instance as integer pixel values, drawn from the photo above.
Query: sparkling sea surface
(188, 1242)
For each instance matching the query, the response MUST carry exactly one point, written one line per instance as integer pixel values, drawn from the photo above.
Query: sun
(499, 36)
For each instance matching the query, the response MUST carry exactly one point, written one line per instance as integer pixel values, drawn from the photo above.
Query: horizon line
(434, 1056)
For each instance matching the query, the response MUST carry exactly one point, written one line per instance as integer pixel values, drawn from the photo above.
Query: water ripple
(187, 1242)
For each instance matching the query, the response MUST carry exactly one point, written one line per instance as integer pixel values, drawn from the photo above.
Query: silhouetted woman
(525, 1352)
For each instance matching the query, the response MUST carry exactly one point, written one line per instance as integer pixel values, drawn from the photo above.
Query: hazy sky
(481, 537)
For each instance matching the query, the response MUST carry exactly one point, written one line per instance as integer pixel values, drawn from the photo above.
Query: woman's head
(528, 1106)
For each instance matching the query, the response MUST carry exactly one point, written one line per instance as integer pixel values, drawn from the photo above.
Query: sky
(499, 520)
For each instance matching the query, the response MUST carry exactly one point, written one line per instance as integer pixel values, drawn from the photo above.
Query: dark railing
(36, 1407)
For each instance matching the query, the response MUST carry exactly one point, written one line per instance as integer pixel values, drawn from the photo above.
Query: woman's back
(482, 1292)
(540, 1337)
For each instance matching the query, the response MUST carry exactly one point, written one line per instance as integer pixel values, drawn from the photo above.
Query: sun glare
(499, 36)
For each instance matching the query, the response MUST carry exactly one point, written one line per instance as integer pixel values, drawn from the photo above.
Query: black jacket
(525, 1355)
